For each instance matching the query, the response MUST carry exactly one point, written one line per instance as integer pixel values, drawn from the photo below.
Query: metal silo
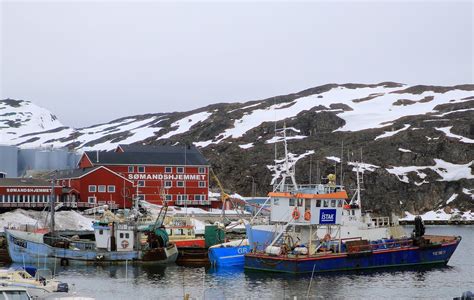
(8, 161)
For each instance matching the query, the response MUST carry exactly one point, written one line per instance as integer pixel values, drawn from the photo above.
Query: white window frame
(141, 183)
(182, 197)
(168, 184)
(131, 169)
(202, 184)
(168, 169)
(101, 188)
(202, 170)
(180, 170)
(111, 189)
(141, 167)
(179, 183)
(93, 198)
(168, 197)
(141, 197)
(92, 189)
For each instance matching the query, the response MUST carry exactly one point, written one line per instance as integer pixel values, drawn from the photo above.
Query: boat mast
(290, 170)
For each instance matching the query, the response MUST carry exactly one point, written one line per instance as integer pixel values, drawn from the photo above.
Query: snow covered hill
(417, 141)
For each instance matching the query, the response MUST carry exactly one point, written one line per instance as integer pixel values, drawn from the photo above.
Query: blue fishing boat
(315, 228)
(229, 254)
(114, 242)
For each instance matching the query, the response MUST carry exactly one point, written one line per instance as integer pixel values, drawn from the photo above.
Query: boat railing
(381, 221)
(312, 188)
(382, 244)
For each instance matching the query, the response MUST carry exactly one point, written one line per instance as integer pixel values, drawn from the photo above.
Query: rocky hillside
(416, 142)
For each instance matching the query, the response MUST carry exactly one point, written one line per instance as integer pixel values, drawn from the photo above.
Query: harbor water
(173, 282)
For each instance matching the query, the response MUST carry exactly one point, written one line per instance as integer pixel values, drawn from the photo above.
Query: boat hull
(26, 247)
(228, 256)
(378, 259)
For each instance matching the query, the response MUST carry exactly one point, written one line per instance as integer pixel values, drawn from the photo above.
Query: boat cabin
(315, 205)
(123, 233)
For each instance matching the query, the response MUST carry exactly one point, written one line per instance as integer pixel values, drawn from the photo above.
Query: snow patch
(404, 150)
(334, 158)
(392, 133)
(441, 215)
(363, 167)
(446, 170)
(452, 198)
(246, 146)
(447, 131)
(279, 169)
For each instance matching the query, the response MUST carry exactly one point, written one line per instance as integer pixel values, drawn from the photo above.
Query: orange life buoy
(307, 215)
(295, 214)
(124, 244)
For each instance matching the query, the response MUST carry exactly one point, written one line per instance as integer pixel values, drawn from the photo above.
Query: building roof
(78, 173)
(74, 173)
(149, 155)
(23, 182)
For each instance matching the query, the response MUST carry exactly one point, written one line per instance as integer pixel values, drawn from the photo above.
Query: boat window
(292, 201)
(325, 203)
(101, 231)
(276, 201)
(339, 203)
(127, 235)
(333, 203)
(16, 295)
(121, 235)
(300, 202)
(307, 204)
(318, 203)
(353, 212)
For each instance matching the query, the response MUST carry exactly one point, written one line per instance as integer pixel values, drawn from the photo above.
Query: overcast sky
(91, 62)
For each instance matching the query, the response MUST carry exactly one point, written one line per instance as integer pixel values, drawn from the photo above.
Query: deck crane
(224, 195)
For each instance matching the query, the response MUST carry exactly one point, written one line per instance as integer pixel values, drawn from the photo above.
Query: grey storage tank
(8, 161)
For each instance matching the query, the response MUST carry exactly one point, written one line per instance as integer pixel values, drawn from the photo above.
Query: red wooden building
(179, 175)
(26, 193)
(94, 186)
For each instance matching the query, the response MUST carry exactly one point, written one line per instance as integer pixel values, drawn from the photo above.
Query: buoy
(124, 244)
(307, 215)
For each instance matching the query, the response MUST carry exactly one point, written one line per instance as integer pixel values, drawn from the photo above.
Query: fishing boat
(229, 254)
(114, 242)
(193, 249)
(314, 228)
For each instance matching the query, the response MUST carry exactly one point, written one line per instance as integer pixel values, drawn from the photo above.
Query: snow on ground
(277, 139)
(30, 117)
(452, 198)
(446, 170)
(441, 215)
(392, 133)
(404, 150)
(334, 158)
(65, 220)
(279, 168)
(468, 192)
(373, 113)
(363, 167)
(246, 146)
(185, 124)
(447, 131)
(453, 111)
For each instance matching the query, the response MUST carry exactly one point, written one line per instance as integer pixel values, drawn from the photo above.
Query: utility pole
(52, 203)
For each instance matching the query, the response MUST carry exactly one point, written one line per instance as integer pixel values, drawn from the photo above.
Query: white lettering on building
(28, 190)
(166, 177)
